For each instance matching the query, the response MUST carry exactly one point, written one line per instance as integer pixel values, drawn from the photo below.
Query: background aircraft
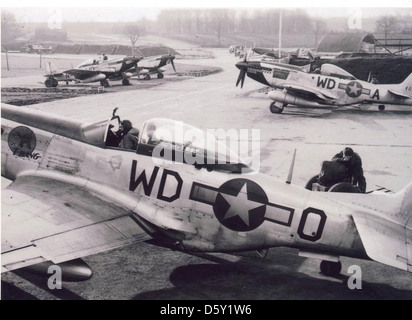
(153, 65)
(74, 196)
(327, 86)
(37, 48)
(93, 70)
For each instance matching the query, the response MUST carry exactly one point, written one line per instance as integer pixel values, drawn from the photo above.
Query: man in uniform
(353, 163)
(130, 135)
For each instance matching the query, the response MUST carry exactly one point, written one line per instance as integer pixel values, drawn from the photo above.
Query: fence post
(7, 60)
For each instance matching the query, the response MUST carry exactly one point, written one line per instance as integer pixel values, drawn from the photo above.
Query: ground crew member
(353, 163)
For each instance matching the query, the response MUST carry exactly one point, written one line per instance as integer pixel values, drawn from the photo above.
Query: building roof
(345, 42)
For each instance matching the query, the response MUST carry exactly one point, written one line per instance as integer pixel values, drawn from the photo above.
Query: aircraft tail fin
(406, 83)
(389, 240)
(406, 203)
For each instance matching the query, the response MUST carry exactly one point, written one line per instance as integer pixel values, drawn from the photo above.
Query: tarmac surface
(147, 271)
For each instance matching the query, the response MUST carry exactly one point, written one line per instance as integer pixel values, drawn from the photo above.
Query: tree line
(215, 22)
(204, 21)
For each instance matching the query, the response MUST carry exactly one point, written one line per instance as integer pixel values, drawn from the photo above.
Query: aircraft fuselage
(196, 209)
(341, 91)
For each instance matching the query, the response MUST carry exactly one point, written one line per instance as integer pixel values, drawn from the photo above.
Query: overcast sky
(112, 14)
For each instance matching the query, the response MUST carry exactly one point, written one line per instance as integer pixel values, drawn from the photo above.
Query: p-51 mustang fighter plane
(74, 196)
(327, 86)
(94, 70)
(153, 65)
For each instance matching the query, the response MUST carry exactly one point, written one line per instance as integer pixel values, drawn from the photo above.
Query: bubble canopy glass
(171, 140)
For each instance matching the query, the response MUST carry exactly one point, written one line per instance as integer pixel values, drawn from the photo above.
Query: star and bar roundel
(241, 204)
(354, 89)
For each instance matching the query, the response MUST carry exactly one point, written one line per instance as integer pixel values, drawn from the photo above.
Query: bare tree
(218, 19)
(134, 32)
(10, 30)
(387, 25)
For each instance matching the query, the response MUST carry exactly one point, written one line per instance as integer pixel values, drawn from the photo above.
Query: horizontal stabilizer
(399, 94)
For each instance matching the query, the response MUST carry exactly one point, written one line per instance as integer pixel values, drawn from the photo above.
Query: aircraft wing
(57, 75)
(304, 90)
(144, 71)
(82, 74)
(386, 241)
(44, 219)
(399, 94)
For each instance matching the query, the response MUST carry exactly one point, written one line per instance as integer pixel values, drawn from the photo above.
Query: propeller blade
(241, 78)
(173, 64)
(248, 55)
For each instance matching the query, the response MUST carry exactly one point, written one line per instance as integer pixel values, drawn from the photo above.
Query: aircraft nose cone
(241, 65)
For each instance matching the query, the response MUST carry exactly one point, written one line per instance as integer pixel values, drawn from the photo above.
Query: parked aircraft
(326, 86)
(72, 195)
(153, 65)
(37, 48)
(94, 70)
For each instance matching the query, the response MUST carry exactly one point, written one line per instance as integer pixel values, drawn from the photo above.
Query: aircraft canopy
(193, 145)
(328, 69)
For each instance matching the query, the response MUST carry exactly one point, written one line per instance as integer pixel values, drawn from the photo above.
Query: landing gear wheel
(49, 83)
(147, 77)
(160, 75)
(311, 182)
(104, 83)
(381, 107)
(126, 82)
(344, 187)
(329, 268)
(275, 109)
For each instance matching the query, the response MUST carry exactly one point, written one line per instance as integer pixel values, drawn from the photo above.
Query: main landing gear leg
(104, 83)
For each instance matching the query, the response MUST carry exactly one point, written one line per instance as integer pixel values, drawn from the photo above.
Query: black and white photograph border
(227, 150)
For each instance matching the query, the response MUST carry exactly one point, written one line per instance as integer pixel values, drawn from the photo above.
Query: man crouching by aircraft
(343, 174)
(353, 164)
